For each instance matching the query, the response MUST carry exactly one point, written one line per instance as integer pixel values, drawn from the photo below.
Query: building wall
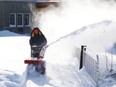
(7, 7)
(1, 15)
(21, 0)
(16, 7)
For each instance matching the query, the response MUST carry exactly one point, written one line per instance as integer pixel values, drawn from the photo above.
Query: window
(26, 19)
(20, 20)
(12, 20)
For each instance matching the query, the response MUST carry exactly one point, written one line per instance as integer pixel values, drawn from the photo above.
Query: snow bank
(9, 79)
(14, 48)
(98, 37)
(8, 33)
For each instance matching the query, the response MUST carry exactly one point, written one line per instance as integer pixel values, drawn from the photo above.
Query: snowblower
(36, 62)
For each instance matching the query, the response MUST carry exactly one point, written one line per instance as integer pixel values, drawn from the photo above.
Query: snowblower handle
(42, 52)
(34, 46)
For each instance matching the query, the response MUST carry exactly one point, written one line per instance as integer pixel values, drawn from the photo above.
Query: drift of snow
(9, 79)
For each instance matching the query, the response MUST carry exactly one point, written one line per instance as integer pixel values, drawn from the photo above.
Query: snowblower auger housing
(36, 61)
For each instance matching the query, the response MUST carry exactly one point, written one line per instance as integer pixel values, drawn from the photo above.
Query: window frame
(12, 25)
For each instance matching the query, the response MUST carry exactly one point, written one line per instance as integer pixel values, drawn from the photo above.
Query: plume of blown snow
(72, 15)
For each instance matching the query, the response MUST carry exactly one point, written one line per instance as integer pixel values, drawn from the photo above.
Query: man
(38, 39)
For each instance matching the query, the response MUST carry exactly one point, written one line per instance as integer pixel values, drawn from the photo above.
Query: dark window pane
(26, 19)
(12, 19)
(19, 19)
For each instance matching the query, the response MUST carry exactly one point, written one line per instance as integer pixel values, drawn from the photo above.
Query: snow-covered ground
(66, 28)
(62, 64)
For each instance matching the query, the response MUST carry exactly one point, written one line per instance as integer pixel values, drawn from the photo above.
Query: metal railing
(95, 66)
(90, 64)
(92, 67)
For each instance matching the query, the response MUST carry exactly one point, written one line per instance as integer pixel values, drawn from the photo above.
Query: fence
(92, 67)
(90, 64)
(95, 66)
